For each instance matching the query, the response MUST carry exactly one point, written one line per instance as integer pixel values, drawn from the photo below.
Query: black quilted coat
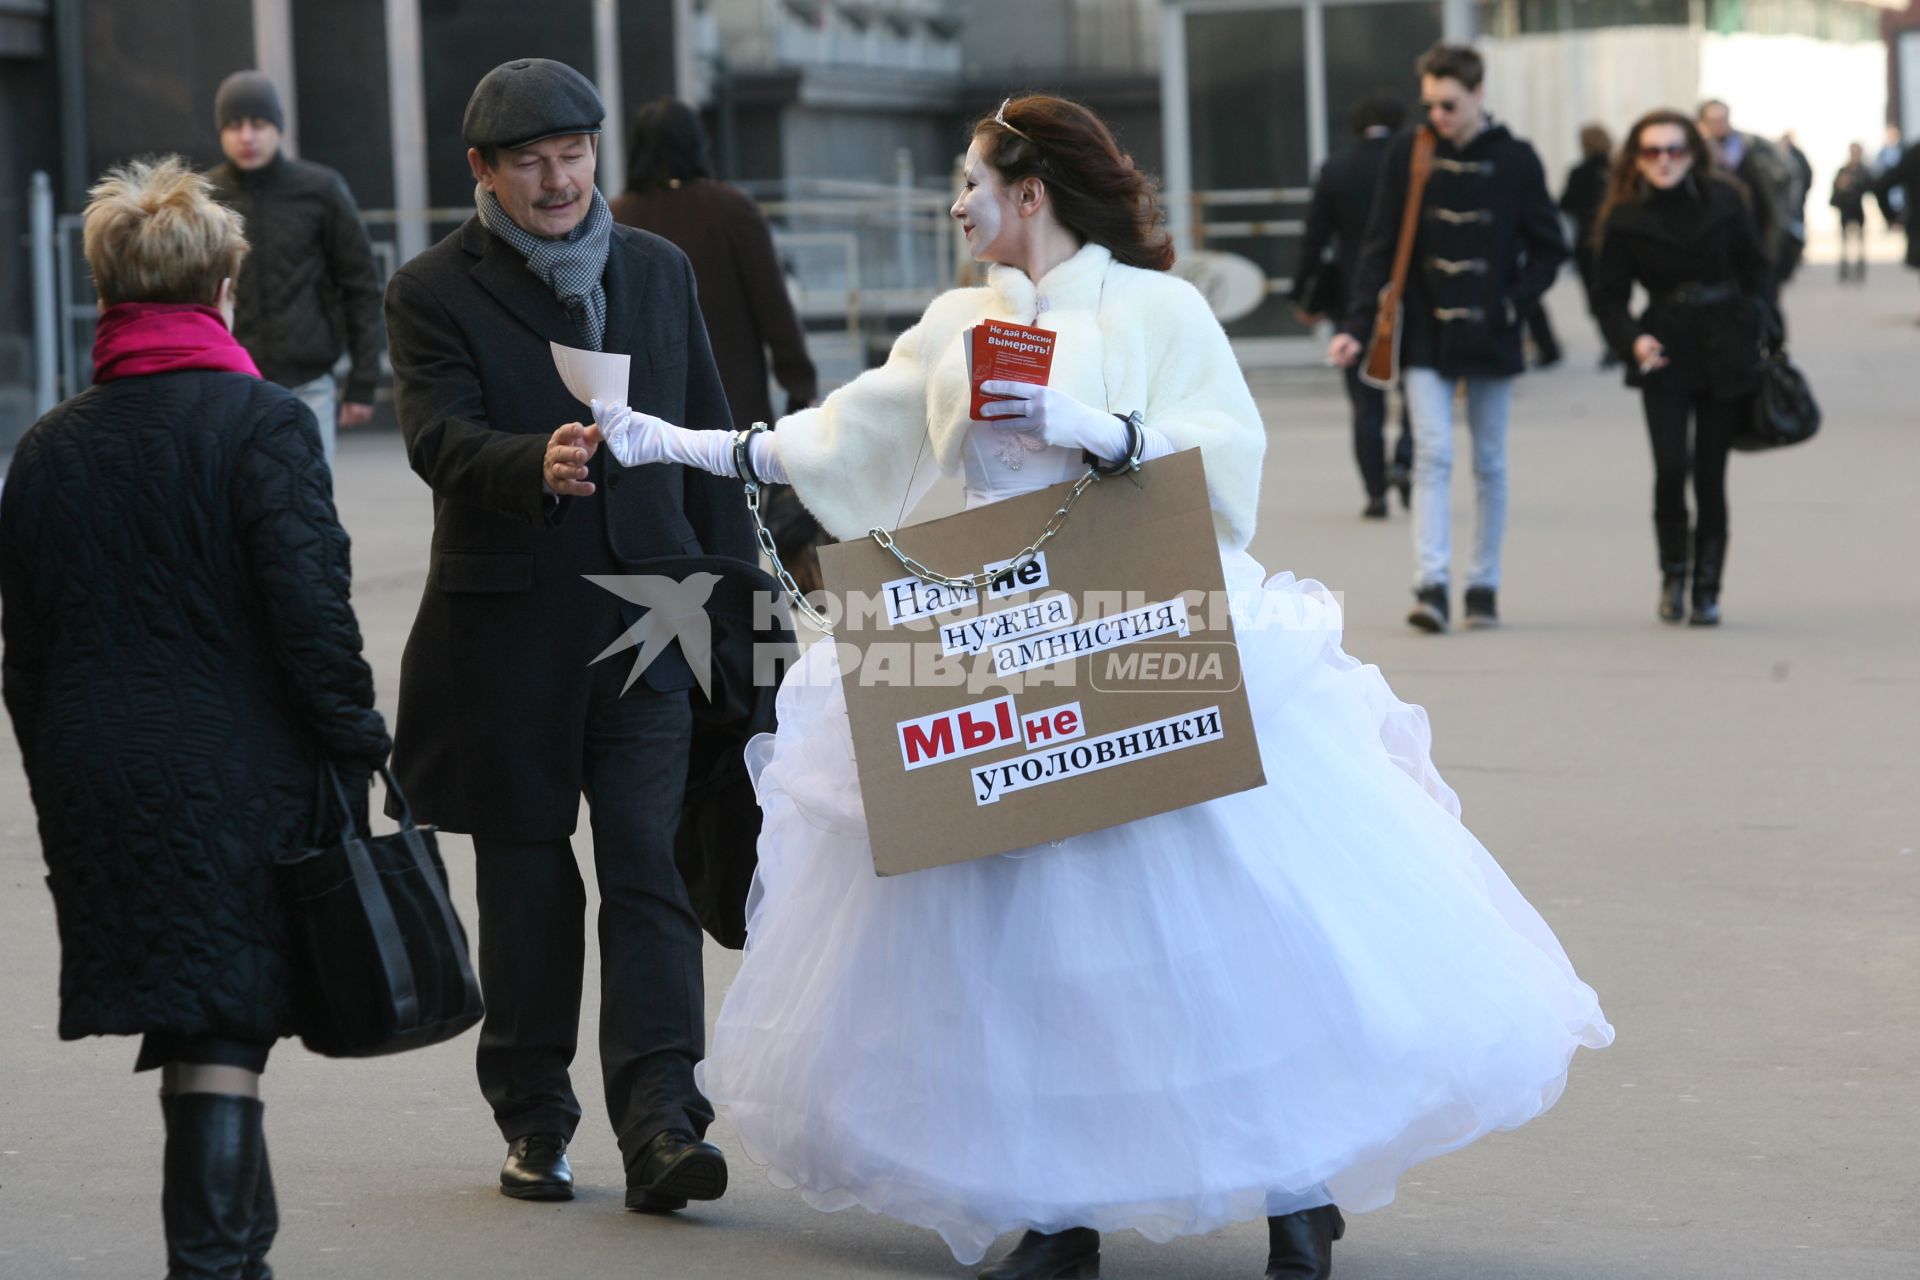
(179, 652)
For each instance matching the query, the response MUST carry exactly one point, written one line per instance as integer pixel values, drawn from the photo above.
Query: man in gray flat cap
(505, 720)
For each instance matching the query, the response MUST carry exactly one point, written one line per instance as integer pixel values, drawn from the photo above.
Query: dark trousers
(533, 941)
(1670, 412)
(1546, 346)
(1853, 236)
(1369, 434)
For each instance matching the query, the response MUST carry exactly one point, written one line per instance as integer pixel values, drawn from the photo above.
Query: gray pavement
(1722, 826)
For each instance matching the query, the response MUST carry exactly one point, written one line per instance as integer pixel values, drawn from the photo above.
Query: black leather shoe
(1376, 508)
(1073, 1254)
(537, 1169)
(1430, 609)
(1300, 1245)
(672, 1169)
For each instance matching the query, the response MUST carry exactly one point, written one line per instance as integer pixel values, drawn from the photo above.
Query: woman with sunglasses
(1257, 1006)
(1682, 229)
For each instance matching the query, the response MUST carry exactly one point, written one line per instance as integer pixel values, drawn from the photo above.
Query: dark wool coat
(180, 654)
(495, 682)
(1488, 244)
(1700, 234)
(309, 287)
(1342, 200)
(743, 291)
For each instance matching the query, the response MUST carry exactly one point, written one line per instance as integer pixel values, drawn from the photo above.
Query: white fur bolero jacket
(1128, 339)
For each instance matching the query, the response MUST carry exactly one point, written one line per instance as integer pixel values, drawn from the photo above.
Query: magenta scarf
(136, 338)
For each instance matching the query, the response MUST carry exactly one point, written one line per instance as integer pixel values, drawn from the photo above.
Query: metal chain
(980, 581)
(791, 587)
(972, 581)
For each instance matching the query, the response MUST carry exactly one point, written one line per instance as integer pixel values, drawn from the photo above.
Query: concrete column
(606, 75)
(273, 54)
(407, 103)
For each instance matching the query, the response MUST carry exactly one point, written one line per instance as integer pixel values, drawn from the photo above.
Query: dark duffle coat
(181, 652)
(1488, 244)
(1699, 236)
(495, 681)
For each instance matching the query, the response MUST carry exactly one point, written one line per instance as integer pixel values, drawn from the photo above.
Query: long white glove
(636, 439)
(1065, 422)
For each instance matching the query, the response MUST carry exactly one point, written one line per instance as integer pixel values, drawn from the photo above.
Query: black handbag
(380, 960)
(1784, 410)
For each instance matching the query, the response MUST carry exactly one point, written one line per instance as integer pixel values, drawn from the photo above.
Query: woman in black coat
(1683, 230)
(180, 659)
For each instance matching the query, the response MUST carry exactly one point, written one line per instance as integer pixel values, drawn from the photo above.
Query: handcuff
(1136, 426)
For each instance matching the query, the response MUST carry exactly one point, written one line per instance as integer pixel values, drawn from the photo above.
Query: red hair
(1096, 191)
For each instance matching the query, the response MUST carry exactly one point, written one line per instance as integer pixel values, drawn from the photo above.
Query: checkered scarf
(574, 267)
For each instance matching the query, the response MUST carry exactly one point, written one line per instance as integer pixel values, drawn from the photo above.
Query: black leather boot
(1073, 1254)
(1709, 558)
(212, 1183)
(1300, 1245)
(266, 1222)
(1673, 592)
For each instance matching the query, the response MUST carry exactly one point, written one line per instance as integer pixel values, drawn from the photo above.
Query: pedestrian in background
(1851, 186)
(1891, 146)
(1773, 187)
(1680, 228)
(1488, 244)
(671, 191)
(1329, 256)
(181, 656)
(1580, 200)
(1899, 188)
(312, 288)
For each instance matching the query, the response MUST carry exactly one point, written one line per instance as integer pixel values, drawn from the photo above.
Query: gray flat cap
(528, 99)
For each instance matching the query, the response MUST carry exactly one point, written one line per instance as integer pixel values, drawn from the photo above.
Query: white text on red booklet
(1006, 352)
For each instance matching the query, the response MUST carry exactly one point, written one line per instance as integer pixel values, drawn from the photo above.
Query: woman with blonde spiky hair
(181, 657)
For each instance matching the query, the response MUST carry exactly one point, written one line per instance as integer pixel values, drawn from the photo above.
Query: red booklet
(998, 351)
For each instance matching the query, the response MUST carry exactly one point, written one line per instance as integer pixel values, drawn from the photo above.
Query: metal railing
(1208, 229)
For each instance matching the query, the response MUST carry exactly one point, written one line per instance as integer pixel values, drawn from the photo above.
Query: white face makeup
(985, 209)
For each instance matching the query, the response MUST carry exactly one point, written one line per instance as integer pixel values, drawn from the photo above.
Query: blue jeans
(322, 396)
(1430, 402)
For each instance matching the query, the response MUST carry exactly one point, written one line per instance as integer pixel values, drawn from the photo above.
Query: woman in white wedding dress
(1264, 1005)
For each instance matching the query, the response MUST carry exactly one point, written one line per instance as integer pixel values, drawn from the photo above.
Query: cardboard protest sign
(1095, 685)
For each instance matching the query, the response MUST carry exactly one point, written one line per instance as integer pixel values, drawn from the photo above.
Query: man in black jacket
(1337, 219)
(1774, 188)
(505, 719)
(310, 280)
(1487, 244)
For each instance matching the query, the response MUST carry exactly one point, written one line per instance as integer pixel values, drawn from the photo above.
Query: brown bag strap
(1419, 172)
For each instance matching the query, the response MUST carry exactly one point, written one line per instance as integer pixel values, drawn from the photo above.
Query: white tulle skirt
(1266, 1002)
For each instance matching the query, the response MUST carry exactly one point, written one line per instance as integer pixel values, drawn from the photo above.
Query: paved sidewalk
(1722, 827)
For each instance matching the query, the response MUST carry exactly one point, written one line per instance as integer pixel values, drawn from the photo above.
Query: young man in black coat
(1487, 244)
(1337, 219)
(311, 280)
(505, 719)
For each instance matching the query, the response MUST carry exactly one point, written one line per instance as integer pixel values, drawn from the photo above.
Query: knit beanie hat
(248, 95)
